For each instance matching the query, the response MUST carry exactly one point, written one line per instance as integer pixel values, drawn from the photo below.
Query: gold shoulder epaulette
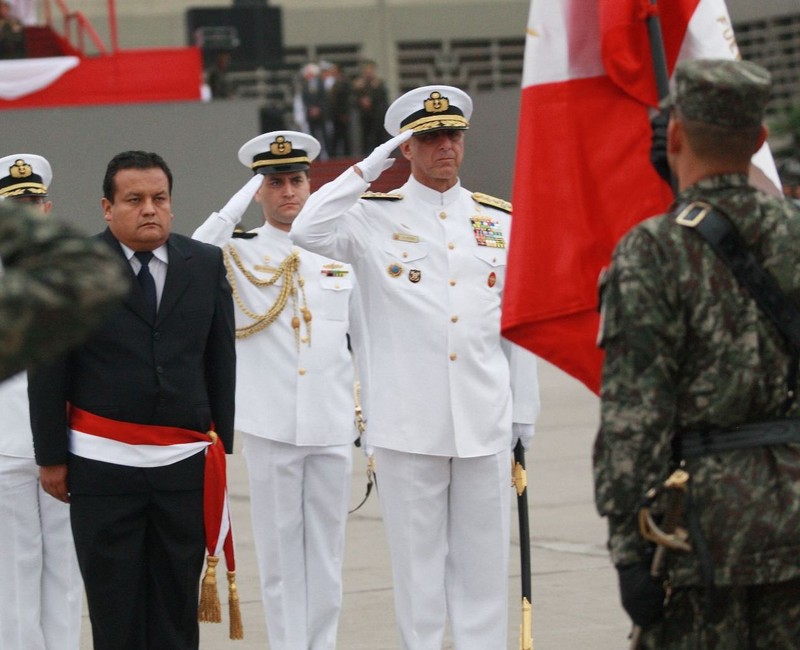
(241, 234)
(492, 201)
(381, 196)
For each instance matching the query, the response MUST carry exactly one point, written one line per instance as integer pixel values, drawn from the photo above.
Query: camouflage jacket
(687, 349)
(55, 286)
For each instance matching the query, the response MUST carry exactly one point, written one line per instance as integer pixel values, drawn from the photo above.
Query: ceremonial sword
(520, 481)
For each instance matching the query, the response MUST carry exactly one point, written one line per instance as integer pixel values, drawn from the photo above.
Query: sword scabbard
(520, 482)
(526, 627)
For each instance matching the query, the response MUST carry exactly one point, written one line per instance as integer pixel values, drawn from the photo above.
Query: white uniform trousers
(447, 524)
(299, 497)
(41, 592)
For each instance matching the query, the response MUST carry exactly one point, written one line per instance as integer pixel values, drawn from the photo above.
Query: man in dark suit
(120, 424)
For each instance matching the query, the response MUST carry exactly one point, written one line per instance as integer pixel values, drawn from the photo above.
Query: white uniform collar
(422, 192)
(272, 231)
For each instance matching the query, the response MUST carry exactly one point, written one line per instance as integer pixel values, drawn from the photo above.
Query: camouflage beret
(724, 92)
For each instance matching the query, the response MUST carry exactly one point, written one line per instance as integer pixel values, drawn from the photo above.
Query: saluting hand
(237, 205)
(378, 161)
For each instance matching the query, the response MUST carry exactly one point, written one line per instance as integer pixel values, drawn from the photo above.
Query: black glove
(658, 144)
(642, 594)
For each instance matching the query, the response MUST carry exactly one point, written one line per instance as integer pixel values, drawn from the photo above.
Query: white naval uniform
(296, 409)
(41, 592)
(441, 387)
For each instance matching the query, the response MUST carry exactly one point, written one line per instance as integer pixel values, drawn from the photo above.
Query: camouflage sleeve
(56, 285)
(641, 331)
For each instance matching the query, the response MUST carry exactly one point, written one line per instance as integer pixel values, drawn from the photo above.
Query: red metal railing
(77, 27)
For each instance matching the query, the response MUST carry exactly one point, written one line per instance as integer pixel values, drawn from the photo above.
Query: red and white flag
(583, 175)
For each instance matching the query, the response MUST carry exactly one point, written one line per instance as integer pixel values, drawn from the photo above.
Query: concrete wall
(157, 23)
(199, 142)
(750, 10)
(374, 25)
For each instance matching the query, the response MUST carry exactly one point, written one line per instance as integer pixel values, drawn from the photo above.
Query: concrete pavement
(575, 599)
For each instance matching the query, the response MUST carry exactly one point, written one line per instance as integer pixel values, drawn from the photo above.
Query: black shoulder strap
(716, 228)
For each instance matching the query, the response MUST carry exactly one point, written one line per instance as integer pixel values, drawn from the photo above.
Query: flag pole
(519, 478)
(659, 58)
(657, 51)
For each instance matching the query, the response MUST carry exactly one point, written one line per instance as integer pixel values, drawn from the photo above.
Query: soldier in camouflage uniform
(56, 285)
(40, 601)
(687, 349)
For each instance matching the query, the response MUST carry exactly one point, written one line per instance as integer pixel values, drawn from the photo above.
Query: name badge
(401, 236)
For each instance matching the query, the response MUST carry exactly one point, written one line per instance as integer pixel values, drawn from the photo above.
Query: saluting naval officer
(445, 388)
(42, 598)
(294, 398)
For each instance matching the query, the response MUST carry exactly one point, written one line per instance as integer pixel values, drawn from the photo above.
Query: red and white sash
(148, 445)
(125, 443)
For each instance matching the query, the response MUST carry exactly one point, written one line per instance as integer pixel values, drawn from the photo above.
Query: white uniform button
(302, 371)
(453, 356)
(452, 283)
(451, 246)
(405, 254)
(454, 318)
(443, 215)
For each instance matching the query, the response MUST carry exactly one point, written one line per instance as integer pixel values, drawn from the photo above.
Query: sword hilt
(669, 536)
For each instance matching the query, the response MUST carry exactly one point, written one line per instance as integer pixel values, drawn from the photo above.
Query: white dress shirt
(158, 266)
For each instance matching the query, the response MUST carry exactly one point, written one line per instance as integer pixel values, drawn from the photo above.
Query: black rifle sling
(716, 228)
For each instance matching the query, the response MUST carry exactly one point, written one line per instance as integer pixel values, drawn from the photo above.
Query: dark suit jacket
(176, 371)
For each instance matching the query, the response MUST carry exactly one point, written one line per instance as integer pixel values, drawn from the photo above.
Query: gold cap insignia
(280, 146)
(436, 103)
(20, 169)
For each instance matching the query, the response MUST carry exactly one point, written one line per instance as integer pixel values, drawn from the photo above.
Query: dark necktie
(146, 282)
